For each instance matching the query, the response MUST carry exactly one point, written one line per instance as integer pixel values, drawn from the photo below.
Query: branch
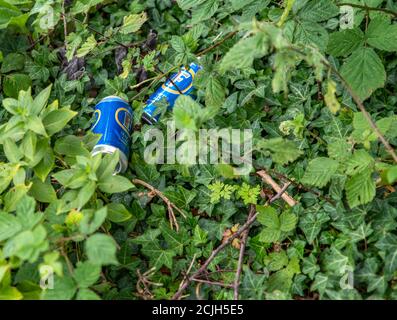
(216, 283)
(217, 44)
(236, 284)
(364, 7)
(364, 111)
(215, 252)
(269, 180)
(169, 204)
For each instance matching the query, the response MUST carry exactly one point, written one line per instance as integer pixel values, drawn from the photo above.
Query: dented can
(113, 120)
(179, 83)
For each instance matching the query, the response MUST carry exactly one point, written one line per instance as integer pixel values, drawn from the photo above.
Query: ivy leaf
(382, 35)
(14, 83)
(175, 240)
(311, 224)
(319, 171)
(159, 256)
(360, 188)
(364, 72)
(101, 249)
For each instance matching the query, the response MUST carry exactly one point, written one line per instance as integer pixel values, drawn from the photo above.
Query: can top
(114, 98)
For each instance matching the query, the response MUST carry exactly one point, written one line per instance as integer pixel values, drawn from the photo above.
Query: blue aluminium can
(179, 83)
(113, 120)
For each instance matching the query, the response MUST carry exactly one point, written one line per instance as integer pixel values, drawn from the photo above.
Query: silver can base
(108, 149)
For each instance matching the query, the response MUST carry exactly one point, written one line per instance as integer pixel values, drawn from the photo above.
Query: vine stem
(364, 111)
(215, 252)
(171, 206)
(364, 7)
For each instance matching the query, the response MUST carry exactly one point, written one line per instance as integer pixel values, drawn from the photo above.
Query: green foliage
(268, 66)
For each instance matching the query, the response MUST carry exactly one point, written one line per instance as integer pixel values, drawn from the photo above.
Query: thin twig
(217, 44)
(65, 27)
(169, 204)
(215, 252)
(244, 237)
(216, 283)
(269, 180)
(364, 7)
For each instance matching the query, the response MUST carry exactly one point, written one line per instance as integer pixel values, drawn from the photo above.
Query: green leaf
(11, 15)
(308, 33)
(268, 217)
(10, 293)
(360, 188)
(205, 11)
(343, 43)
(243, 53)
(42, 191)
(71, 146)
(287, 221)
(9, 226)
(311, 224)
(186, 113)
(14, 83)
(93, 220)
(175, 240)
(40, 101)
(133, 22)
(101, 249)
(187, 4)
(118, 213)
(64, 289)
(87, 294)
(319, 171)
(158, 256)
(214, 93)
(382, 35)
(360, 161)
(282, 151)
(319, 10)
(56, 120)
(12, 151)
(364, 72)
(115, 184)
(87, 46)
(86, 274)
(13, 62)
(44, 167)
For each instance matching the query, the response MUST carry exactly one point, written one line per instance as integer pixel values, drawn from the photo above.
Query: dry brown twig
(143, 283)
(170, 205)
(269, 180)
(250, 220)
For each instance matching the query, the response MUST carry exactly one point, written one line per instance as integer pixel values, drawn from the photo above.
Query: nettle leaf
(381, 34)
(243, 53)
(101, 249)
(9, 226)
(308, 32)
(343, 43)
(319, 171)
(358, 162)
(320, 10)
(64, 289)
(133, 23)
(86, 274)
(187, 4)
(205, 11)
(364, 72)
(360, 188)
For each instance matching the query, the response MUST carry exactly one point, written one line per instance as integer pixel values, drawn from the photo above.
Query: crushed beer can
(179, 83)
